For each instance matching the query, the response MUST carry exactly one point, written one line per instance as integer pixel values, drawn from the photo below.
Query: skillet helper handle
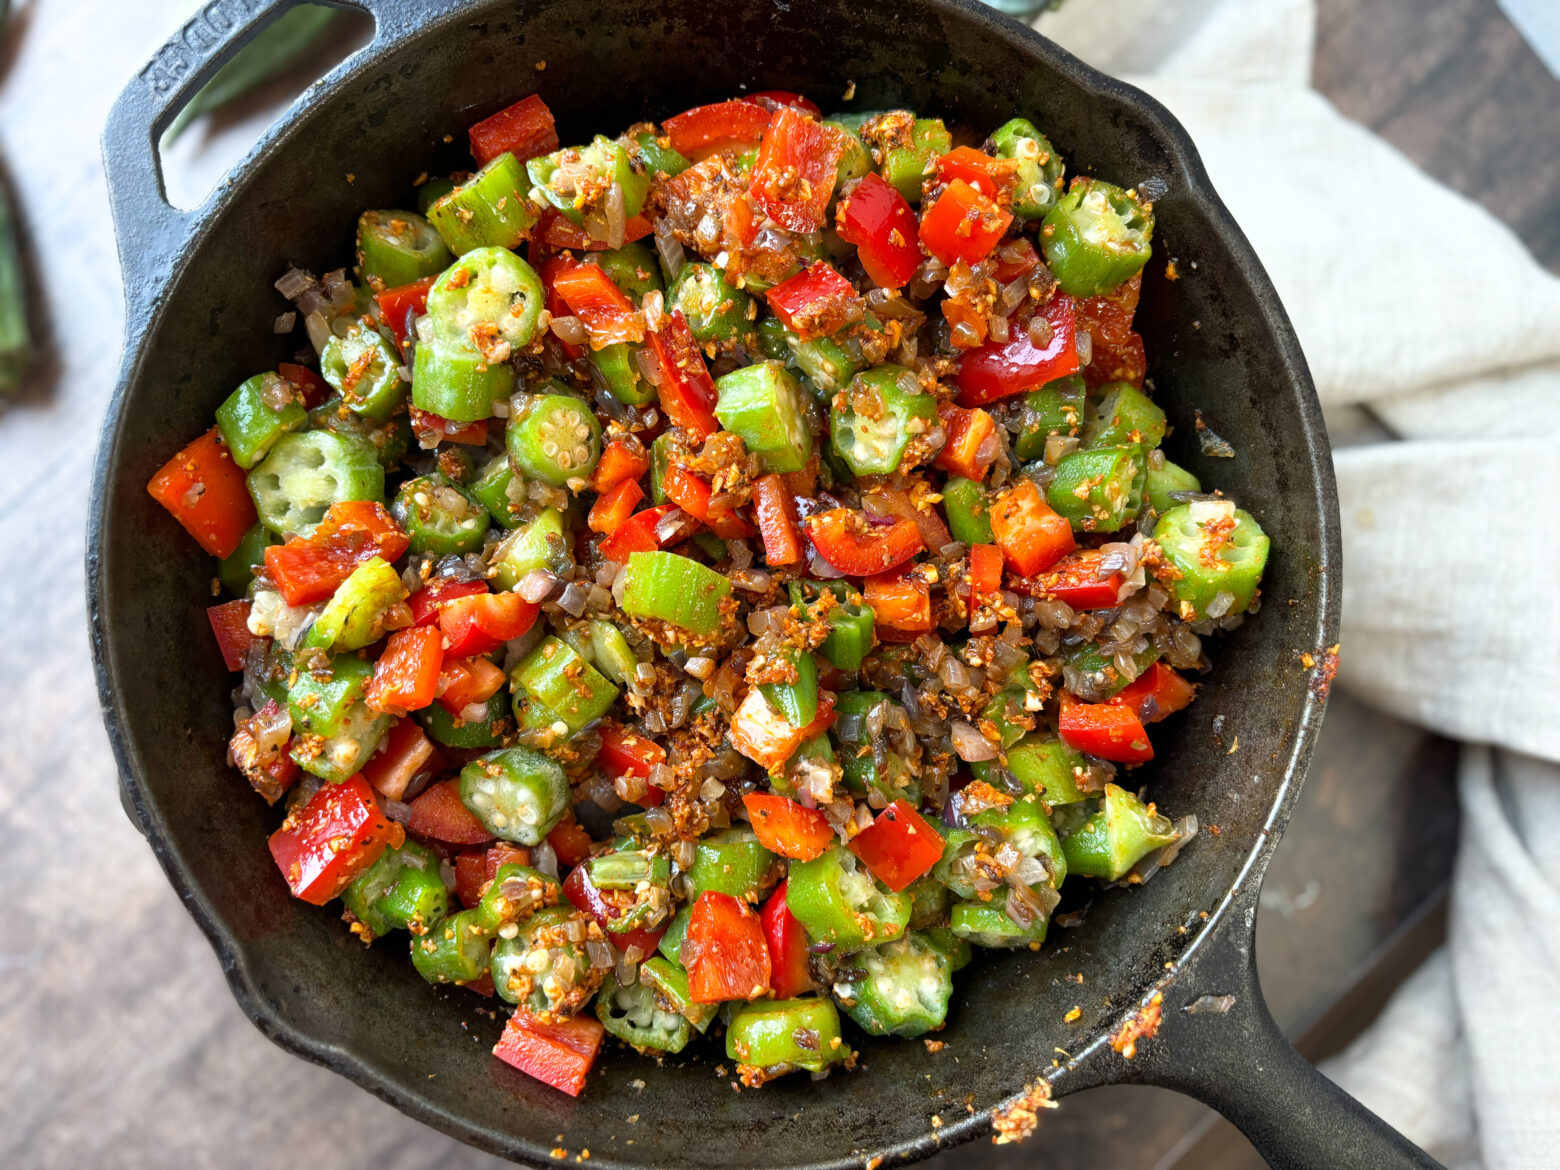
(1233, 1057)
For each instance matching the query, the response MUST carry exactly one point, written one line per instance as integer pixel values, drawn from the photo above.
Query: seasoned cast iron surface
(1216, 338)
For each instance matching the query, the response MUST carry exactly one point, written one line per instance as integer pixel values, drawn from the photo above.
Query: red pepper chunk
(556, 306)
(692, 494)
(525, 130)
(559, 1055)
(1156, 694)
(309, 568)
(230, 623)
(406, 751)
(963, 224)
(399, 304)
(782, 826)
(985, 570)
(621, 459)
(610, 510)
(623, 752)
(432, 597)
(306, 382)
(881, 223)
(205, 491)
(687, 391)
(406, 676)
(321, 847)
(570, 842)
(789, 975)
(464, 681)
(468, 877)
(440, 813)
(1031, 536)
(1117, 354)
(561, 233)
(604, 309)
(1075, 579)
(992, 177)
(1108, 730)
(1000, 370)
(815, 302)
(899, 846)
(794, 174)
(767, 737)
(856, 548)
(432, 429)
(583, 895)
(972, 445)
(725, 951)
(704, 130)
(900, 600)
(773, 507)
(483, 622)
(639, 533)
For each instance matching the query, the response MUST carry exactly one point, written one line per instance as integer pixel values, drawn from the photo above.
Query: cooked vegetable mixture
(721, 572)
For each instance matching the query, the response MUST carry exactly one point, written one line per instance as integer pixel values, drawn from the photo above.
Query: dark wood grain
(1455, 87)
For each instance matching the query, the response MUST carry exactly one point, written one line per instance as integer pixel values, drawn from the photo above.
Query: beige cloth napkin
(1411, 300)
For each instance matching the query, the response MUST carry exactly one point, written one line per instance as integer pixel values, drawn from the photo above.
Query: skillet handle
(1238, 1062)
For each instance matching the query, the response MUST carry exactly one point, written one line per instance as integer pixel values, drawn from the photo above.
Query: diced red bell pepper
(399, 304)
(985, 570)
(815, 302)
(502, 853)
(687, 391)
(1117, 353)
(583, 895)
(784, 97)
(433, 596)
(1075, 579)
(309, 568)
(638, 533)
(775, 511)
(794, 174)
(900, 599)
(857, 548)
(725, 951)
(1001, 369)
(440, 813)
(406, 675)
(570, 842)
(230, 624)
(621, 459)
(321, 847)
(1156, 694)
(703, 130)
(464, 681)
(604, 309)
(782, 826)
(556, 306)
(898, 503)
(992, 177)
(306, 382)
(1110, 731)
(972, 445)
(561, 233)
(899, 846)
(623, 752)
(692, 494)
(610, 510)
(881, 223)
(405, 752)
(963, 224)
(483, 622)
(204, 490)
(432, 429)
(559, 1055)
(1032, 537)
(767, 737)
(967, 322)
(1014, 259)
(469, 877)
(789, 975)
(525, 130)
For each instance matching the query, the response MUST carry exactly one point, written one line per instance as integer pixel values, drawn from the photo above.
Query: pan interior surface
(1216, 340)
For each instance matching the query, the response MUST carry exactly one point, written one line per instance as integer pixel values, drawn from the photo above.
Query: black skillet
(200, 310)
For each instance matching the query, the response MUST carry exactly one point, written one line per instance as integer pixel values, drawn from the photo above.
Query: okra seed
(550, 449)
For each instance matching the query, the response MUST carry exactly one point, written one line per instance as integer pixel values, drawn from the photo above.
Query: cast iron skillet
(200, 308)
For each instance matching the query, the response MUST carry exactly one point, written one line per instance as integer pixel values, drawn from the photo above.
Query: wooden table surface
(123, 1048)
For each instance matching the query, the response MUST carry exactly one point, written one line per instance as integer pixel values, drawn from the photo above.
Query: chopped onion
(1083, 342)
(971, 745)
(537, 585)
(569, 329)
(572, 600)
(284, 323)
